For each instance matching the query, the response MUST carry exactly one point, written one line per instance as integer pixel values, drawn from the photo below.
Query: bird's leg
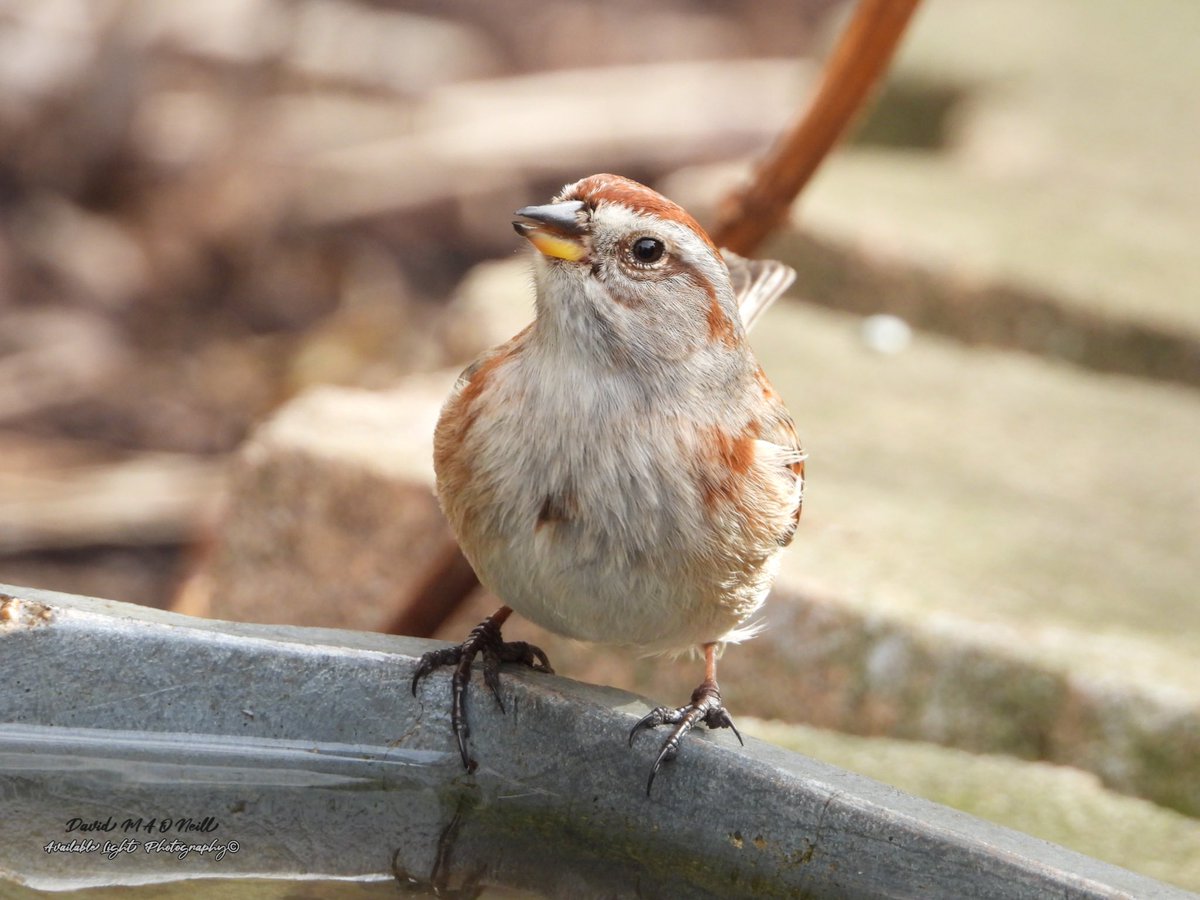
(705, 707)
(484, 640)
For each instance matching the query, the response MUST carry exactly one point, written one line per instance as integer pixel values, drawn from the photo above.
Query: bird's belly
(585, 590)
(598, 533)
(646, 603)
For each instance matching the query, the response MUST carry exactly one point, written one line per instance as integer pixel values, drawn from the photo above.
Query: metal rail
(305, 749)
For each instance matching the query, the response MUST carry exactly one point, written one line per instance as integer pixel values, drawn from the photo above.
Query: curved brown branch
(749, 213)
(446, 583)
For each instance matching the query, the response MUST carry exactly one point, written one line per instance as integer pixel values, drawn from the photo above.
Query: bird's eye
(648, 250)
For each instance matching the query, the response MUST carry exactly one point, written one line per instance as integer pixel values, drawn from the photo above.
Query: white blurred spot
(886, 334)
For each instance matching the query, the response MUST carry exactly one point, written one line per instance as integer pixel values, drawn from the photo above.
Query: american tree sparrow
(622, 471)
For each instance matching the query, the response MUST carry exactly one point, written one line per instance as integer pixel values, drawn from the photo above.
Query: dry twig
(748, 214)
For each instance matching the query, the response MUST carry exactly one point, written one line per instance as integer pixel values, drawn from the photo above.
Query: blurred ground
(206, 211)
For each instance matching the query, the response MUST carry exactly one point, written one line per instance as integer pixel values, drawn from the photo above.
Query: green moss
(1055, 803)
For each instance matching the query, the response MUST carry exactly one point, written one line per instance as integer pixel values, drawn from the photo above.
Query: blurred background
(245, 246)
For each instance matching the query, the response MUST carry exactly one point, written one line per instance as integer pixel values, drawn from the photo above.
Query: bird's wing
(756, 283)
(779, 444)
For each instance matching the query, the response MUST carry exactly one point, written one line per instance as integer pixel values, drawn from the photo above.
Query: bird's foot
(484, 641)
(705, 707)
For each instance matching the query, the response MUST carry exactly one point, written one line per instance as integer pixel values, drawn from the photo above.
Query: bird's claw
(705, 707)
(484, 640)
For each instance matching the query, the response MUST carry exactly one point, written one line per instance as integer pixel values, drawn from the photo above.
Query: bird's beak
(554, 229)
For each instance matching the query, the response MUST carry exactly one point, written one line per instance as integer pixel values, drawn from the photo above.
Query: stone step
(988, 528)
(1051, 202)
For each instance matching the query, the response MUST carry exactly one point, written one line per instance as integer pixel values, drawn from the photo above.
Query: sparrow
(622, 471)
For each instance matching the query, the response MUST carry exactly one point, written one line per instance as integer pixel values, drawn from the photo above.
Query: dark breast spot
(557, 506)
